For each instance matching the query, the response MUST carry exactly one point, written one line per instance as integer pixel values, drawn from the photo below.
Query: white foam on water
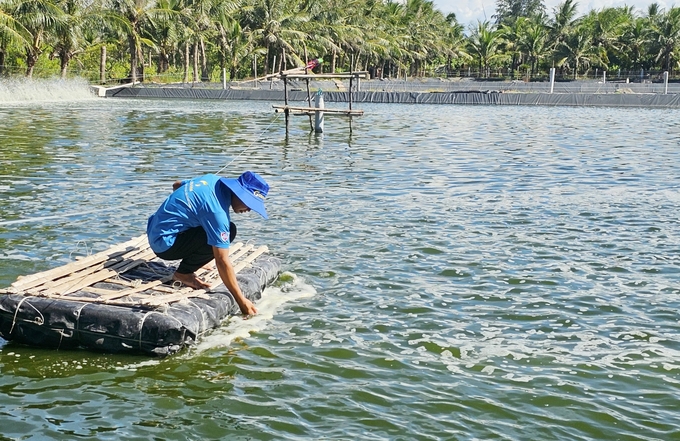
(135, 366)
(273, 298)
(25, 90)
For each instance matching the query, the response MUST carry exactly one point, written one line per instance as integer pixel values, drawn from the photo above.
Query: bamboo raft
(124, 300)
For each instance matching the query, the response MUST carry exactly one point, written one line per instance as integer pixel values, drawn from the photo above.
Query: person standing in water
(193, 225)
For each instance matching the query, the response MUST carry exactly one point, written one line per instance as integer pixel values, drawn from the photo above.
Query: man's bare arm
(228, 276)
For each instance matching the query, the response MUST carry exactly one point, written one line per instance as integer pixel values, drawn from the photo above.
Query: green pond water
(451, 272)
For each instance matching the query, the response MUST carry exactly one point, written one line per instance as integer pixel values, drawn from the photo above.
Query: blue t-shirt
(199, 202)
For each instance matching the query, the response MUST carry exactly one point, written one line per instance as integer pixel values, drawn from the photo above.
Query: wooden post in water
(318, 115)
(224, 78)
(665, 83)
(102, 65)
(254, 71)
(309, 95)
(552, 79)
(271, 79)
(285, 98)
(351, 71)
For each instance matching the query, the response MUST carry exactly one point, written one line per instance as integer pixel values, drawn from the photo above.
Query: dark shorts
(191, 247)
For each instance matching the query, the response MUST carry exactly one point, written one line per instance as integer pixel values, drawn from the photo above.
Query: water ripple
(464, 273)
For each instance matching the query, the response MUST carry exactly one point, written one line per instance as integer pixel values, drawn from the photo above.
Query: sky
(469, 11)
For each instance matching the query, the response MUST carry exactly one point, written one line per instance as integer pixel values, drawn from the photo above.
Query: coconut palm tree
(11, 32)
(533, 42)
(577, 51)
(167, 30)
(453, 40)
(608, 27)
(636, 42)
(68, 38)
(134, 19)
(563, 21)
(274, 25)
(484, 44)
(510, 33)
(39, 18)
(667, 35)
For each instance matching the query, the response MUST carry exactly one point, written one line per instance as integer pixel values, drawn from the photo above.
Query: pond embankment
(653, 95)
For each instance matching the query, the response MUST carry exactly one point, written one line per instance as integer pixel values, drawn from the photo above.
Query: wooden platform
(295, 110)
(77, 280)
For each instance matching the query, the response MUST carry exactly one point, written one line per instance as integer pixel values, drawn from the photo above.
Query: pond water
(455, 272)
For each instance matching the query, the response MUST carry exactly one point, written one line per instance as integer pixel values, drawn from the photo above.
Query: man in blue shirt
(193, 225)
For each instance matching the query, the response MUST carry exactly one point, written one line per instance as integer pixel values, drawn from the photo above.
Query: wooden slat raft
(77, 280)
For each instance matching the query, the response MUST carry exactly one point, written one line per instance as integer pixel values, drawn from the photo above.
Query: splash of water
(273, 298)
(25, 90)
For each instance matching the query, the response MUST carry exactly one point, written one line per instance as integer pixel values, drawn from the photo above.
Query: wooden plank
(100, 291)
(91, 279)
(254, 255)
(56, 285)
(71, 279)
(126, 292)
(234, 257)
(244, 263)
(32, 280)
(182, 294)
(324, 110)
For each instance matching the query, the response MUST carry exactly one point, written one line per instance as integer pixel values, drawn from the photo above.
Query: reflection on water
(457, 272)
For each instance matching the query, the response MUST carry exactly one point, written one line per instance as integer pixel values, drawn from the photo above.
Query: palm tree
(563, 21)
(38, 17)
(275, 25)
(608, 27)
(11, 32)
(484, 45)
(636, 42)
(510, 33)
(578, 51)
(167, 30)
(668, 37)
(68, 34)
(135, 18)
(454, 42)
(424, 23)
(532, 42)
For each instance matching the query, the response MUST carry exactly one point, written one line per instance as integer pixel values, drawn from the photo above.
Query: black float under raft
(123, 300)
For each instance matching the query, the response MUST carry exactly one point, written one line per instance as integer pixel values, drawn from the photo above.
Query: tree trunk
(133, 59)
(186, 62)
(2, 61)
(65, 60)
(205, 75)
(163, 62)
(102, 65)
(195, 80)
(140, 57)
(266, 63)
(31, 59)
(334, 58)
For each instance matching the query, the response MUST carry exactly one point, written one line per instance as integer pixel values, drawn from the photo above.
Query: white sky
(469, 11)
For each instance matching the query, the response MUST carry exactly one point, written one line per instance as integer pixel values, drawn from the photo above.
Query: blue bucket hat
(251, 189)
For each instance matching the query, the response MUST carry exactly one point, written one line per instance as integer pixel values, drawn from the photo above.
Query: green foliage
(151, 37)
